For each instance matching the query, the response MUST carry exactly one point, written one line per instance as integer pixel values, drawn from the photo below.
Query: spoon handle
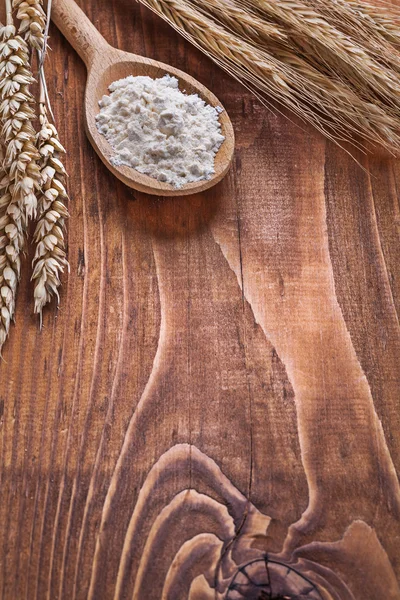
(78, 29)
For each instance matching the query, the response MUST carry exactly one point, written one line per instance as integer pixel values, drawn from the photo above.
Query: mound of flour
(160, 131)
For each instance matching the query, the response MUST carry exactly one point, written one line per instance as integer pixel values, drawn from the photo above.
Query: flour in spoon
(160, 131)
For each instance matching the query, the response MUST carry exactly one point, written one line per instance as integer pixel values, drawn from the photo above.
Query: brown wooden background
(221, 381)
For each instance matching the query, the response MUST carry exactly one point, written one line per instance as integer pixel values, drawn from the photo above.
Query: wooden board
(214, 409)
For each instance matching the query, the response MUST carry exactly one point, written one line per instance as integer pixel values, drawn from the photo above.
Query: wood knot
(267, 579)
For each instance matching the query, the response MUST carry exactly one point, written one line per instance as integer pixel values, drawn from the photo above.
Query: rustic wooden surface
(221, 382)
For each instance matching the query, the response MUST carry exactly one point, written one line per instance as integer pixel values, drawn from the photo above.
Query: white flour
(159, 131)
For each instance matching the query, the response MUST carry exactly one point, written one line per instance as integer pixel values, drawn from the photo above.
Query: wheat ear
(377, 31)
(50, 257)
(32, 21)
(11, 243)
(327, 47)
(16, 115)
(384, 17)
(19, 171)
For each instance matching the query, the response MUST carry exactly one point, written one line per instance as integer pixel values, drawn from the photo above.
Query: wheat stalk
(50, 257)
(338, 104)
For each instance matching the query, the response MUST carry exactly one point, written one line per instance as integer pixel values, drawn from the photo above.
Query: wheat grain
(50, 257)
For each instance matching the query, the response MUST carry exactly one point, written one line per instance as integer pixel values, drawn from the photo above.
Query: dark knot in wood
(267, 579)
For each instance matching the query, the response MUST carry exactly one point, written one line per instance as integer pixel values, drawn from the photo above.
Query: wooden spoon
(106, 64)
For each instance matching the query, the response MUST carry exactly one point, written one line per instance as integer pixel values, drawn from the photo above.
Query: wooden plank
(216, 402)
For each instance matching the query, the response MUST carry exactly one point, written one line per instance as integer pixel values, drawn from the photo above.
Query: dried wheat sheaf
(31, 173)
(334, 63)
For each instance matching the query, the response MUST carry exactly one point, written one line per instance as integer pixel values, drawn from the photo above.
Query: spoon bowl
(106, 64)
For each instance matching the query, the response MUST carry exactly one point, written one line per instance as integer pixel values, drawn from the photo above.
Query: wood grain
(213, 412)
